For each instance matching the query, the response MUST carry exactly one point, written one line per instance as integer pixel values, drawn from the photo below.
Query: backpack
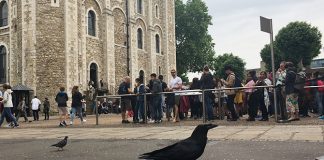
(300, 81)
(61, 99)
(238, 82)
(157, 86)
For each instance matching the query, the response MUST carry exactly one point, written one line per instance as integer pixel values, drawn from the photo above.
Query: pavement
(113, 140)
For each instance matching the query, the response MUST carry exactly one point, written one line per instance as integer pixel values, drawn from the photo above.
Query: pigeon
(61, 143)
(188, 149)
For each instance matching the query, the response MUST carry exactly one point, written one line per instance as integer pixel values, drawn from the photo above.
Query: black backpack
(238, 82)
(122, 89)
(300, 81)
(157, 86)
(61, 98)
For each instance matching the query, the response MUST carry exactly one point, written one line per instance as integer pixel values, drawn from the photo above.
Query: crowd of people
(293, 100)
(227, 101)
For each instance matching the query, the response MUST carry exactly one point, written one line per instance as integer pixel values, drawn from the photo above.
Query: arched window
(3, 14)
(140, 38)
(91, 23)
(157, 43)
(156, 11)
(3, 64)
(139, 6)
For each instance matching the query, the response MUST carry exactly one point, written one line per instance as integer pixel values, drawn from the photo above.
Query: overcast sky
(236, 23)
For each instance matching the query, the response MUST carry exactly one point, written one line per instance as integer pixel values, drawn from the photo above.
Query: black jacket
(76, 100)
(290, 81)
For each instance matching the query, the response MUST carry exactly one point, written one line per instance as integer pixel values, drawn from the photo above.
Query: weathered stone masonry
(48, 44)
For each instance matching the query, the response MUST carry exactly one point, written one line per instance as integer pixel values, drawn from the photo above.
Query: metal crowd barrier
(186, 93)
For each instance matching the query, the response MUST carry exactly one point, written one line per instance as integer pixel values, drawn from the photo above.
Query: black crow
(61, 143)
(188, 149)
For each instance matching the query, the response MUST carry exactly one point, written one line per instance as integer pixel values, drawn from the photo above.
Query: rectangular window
(139, 6)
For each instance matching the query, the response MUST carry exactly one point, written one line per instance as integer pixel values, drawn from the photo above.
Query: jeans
(76, 110)
(319, 97)
(157, 107)
(21, 112)
(209, 107)
(36, 115)
(230, 106)
(139, 110)
(7, 112)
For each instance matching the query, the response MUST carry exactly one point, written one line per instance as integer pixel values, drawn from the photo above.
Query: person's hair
(228, 67)
(160, 77)
(75, 89)
(316, 74)
(137, 80)
(263, 72)
(206, 68)
(153, 75)
(173, 70)
(283, 62)
(35, 96)
(195, 84)
(289, 64)
(126, 78)
(5, 86)
(253, 75)
(62, 89)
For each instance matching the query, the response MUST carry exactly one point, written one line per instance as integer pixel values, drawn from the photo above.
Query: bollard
(97, 115)
(203, 105)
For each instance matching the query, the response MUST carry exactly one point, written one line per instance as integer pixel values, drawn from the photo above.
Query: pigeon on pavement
(189, 149)
(61, 143)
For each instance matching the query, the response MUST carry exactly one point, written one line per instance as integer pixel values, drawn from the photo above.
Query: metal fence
(187, 93)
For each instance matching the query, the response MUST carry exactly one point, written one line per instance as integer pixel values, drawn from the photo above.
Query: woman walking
(7, 105)
(22, 110)
(76, 104)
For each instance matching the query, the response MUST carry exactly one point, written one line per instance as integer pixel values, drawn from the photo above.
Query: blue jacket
(140, 90)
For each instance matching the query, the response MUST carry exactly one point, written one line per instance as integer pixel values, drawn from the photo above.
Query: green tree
(299, 41)
(193, 43)
(229, 59)
(266, 56)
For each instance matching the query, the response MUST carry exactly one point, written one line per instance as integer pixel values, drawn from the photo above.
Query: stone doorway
(94, 74)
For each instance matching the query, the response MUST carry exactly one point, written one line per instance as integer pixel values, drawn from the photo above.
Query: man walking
(61, 99)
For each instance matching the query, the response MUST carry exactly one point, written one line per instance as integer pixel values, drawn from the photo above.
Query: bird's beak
(211, 126)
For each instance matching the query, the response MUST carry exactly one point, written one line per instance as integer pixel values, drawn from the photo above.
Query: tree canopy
(193, 43)
(266, 56)
(297, 42)
(229, 59)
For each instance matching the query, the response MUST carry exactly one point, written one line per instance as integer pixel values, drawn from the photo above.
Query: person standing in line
(76, 104)
(156, 98)
(36, 107)
(291, 92)
(139, 109)
(124, 88)
(175, 84)
(22, 110)
(61, 99)
(207, 82)
(7, 105)
(230, 83)
(280, 91)
(46, 108)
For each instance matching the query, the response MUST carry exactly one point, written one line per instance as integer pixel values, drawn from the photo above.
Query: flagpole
(273, 72)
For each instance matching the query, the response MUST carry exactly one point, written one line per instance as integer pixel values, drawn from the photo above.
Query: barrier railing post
(220, 107)
(203, 105)
(145, 109)
(97, 115)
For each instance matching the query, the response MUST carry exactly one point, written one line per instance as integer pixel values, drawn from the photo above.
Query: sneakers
(71, 123)
(125, 121)
(64, 123)
(15, 126)
(61, 125)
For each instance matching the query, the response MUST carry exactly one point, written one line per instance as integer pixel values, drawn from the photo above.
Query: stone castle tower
(45, 44)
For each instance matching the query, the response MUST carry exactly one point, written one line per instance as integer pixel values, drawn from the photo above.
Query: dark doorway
(94, 74)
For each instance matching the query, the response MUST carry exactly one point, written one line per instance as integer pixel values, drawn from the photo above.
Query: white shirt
(175, 82)
(35, 103)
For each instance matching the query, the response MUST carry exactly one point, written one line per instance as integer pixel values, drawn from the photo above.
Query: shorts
(62, 110)
(125, 105)
(177, 100)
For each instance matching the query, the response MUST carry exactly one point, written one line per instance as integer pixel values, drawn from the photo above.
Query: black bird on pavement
(187, 149)
(61, 143)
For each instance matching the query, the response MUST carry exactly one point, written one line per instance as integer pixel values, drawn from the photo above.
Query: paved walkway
(249, 133)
